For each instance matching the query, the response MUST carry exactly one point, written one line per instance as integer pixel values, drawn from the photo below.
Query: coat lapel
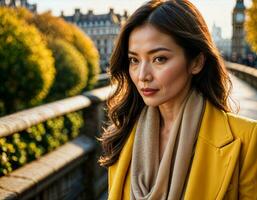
(215, 158)
(119, 171)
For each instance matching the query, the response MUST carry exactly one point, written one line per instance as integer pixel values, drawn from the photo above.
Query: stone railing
(69, 172)
(248, 74)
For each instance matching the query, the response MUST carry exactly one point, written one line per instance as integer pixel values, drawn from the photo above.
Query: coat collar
(214, 162)
(215, 158)
(215, 127)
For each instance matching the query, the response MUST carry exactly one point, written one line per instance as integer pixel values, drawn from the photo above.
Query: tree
(251, 25)
(27, 66)
(71, 76)
(52, 27)
(55, 27)
(87, 48)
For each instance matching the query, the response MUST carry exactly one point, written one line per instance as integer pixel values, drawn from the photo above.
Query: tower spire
(240, 4)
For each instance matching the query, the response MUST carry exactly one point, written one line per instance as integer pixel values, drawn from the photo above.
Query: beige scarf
(152, 179)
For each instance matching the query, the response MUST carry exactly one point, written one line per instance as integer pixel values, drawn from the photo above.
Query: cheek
(133, 76)
(175, 76)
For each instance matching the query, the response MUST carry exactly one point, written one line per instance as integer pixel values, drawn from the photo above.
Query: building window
(8, 2)
(18, 3)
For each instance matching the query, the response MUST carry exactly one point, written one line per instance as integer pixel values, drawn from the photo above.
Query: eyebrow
(152, 50)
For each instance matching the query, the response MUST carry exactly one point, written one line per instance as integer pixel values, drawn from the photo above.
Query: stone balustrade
(247, 74)
(69, 172)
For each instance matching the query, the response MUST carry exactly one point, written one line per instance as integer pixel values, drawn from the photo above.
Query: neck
(170, 110)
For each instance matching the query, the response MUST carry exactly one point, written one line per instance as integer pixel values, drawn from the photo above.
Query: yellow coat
(224, 164)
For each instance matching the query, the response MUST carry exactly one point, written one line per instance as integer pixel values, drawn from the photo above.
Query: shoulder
(245, 129)
(241, 119)
(242, 127)
(226, 127)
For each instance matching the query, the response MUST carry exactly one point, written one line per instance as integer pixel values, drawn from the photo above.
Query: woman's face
(158, 66)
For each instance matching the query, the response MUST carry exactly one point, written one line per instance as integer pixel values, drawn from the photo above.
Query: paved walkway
(246, 97)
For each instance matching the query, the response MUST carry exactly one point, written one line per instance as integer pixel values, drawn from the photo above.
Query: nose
(145, 72)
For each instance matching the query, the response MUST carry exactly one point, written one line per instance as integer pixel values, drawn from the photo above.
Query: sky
(214, 11)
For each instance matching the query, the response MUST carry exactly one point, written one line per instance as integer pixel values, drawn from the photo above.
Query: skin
(158, 63)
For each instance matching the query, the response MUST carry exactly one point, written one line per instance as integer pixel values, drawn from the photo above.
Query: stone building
(223, 44)
(18, 3)
(102, 28)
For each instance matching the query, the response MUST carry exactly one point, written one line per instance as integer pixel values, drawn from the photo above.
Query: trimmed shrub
(55, 27)
(87, 48)
(19, 12)
(52, 27)
(71, 76)
(27, 66)
(23, 13)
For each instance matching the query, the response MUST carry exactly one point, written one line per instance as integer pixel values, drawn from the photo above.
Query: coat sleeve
(248, 172)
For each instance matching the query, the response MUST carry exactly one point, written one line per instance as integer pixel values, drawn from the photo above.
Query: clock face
(240, 17)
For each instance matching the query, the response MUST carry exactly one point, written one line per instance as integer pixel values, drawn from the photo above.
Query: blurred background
(54, 56)
(221, 17)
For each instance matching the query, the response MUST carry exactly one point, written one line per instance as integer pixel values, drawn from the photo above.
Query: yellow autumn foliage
(56, 27)
(251, 25)
(27, 66)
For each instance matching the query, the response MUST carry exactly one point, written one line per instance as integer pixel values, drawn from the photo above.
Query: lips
(149, 91)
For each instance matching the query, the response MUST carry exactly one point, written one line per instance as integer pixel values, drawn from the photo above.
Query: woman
(171, 134)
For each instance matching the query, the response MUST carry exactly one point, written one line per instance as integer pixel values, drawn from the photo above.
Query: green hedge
(26, 64)
(71, 76)
(54, 27)
(87, 48)
(23, 147)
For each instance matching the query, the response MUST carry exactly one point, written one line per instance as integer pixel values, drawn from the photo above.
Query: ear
(197, 64)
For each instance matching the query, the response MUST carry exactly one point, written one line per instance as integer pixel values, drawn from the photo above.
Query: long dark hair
(183, 22)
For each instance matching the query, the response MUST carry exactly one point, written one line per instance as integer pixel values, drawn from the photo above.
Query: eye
(133, 61)
(160, 59)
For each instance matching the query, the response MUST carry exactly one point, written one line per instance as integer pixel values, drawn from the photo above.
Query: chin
(152, 103)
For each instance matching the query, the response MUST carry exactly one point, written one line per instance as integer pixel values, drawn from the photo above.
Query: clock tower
(238, 35)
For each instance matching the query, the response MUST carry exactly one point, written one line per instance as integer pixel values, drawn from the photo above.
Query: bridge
(71, 171)
(244, 92)
(245, 96)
